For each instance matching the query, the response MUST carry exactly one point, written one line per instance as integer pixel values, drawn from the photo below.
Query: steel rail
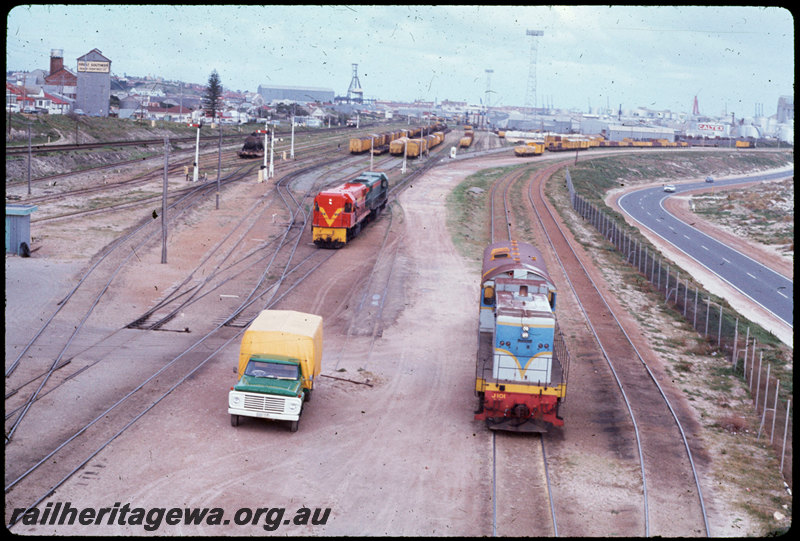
(544, 175)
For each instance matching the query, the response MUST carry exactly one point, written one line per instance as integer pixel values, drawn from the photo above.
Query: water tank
(786, 133)
(748, 130)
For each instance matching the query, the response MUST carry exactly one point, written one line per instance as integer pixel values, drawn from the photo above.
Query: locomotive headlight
(525, 330)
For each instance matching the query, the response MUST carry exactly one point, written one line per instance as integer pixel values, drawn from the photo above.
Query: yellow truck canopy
(285, 333)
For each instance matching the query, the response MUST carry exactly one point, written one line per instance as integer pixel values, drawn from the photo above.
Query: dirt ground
(402, 457)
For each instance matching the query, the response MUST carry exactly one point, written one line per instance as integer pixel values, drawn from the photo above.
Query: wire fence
(717, 325)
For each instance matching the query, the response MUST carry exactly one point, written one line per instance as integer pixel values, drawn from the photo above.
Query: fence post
(719, 331)
(653, 269)
(785, 433)
(685, 297)
(758, 378)
(746, 350)
(775, 410)
(659, 274)
(766, 397)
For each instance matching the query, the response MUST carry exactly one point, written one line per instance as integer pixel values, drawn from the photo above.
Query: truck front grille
(269, 404)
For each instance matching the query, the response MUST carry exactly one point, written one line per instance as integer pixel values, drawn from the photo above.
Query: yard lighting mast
(530, 94)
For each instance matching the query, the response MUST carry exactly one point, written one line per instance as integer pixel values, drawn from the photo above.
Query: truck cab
(278, 362)
(271, 388)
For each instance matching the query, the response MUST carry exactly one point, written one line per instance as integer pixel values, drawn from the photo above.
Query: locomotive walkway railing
(746, 358)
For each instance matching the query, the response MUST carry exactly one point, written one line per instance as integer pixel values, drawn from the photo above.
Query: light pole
(405, 155)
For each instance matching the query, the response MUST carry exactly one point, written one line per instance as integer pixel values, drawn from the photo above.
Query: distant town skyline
(734, 59)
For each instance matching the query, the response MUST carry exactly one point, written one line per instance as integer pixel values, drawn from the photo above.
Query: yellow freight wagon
(529, 149)
(398, 146)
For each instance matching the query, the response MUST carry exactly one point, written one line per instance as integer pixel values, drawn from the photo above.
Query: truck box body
(279, 360)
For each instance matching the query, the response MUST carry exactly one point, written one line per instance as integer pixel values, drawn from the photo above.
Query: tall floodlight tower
(530, 95)
(354, 92)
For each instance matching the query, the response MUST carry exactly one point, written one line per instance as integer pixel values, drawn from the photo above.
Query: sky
(734, 59)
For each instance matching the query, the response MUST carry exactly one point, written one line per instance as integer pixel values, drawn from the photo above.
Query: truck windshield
(266, 369)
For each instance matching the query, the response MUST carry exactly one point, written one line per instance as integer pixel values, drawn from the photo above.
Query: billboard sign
(88, 66)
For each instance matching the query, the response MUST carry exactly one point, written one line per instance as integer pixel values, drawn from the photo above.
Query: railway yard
(121, 347)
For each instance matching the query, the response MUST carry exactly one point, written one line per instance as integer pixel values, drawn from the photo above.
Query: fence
(708, 318)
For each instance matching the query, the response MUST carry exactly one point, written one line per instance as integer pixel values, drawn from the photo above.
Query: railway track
(671, 497)
(520, 474)
(209, 139)
(142, 383)
(672, 501)
(130, 190)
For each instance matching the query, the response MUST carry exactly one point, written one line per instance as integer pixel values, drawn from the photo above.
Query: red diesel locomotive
(341, 212)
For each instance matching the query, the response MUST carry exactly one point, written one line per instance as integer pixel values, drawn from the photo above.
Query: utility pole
(291, 152)
(219, 161)
(164, 204)
(30, 158)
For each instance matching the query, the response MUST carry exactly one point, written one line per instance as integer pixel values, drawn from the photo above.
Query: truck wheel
(234, 420)
(294, 425)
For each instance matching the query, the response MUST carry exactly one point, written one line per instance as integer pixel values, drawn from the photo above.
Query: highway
(764, 286)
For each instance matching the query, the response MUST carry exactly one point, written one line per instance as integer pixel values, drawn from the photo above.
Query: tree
(213, 95)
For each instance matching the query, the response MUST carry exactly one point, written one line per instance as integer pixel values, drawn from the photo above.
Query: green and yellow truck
(279, 360)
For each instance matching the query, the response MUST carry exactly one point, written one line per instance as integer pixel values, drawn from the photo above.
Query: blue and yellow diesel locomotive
(522, 361)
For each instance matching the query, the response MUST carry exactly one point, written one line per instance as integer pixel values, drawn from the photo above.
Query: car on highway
(669, 188)
(709, 179)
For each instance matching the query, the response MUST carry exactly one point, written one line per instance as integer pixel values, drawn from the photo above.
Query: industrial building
(299, 94)
(94, 84)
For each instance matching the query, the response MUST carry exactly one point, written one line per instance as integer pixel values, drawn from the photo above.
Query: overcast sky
(731, 58)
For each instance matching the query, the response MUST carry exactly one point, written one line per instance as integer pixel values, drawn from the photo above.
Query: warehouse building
(299, 94)
(639, 133)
